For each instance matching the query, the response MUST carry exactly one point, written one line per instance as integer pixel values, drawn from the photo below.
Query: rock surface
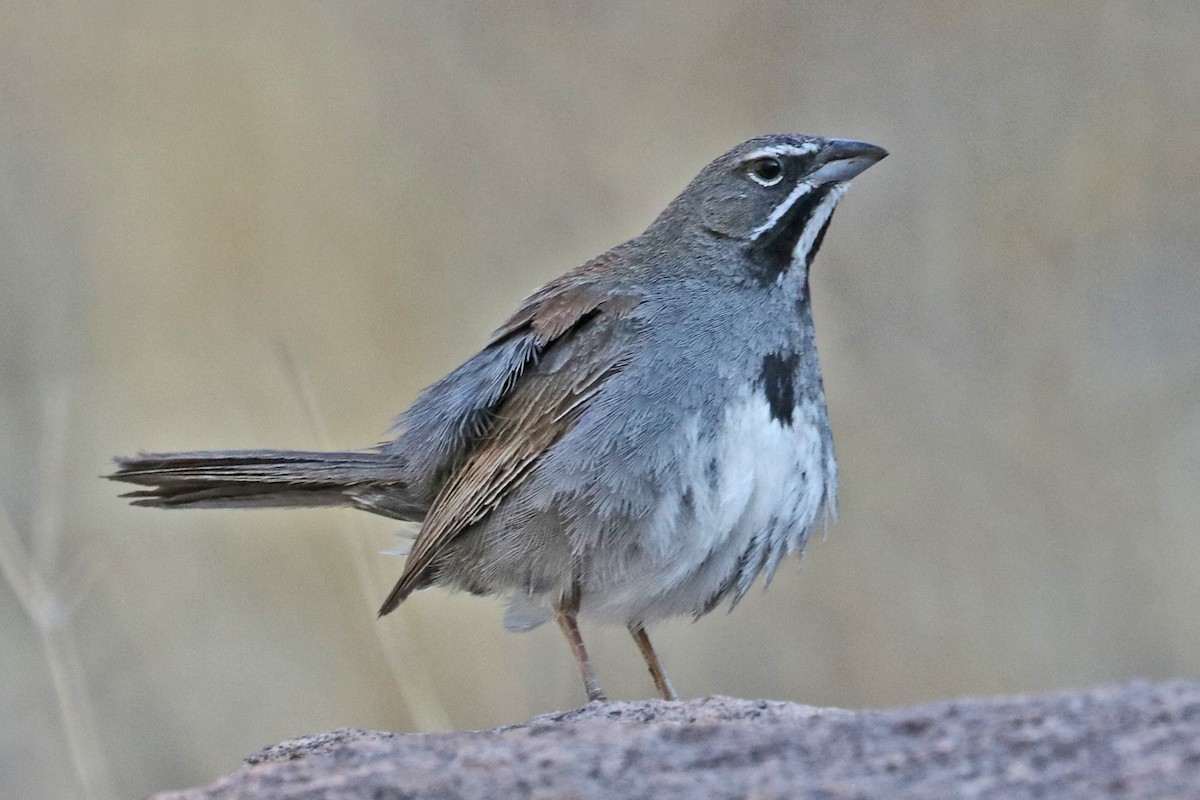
(1136, 740)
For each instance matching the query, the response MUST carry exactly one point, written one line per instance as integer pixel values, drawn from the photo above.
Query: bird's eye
(765, 171)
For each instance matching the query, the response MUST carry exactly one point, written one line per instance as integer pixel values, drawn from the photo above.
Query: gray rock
(1137, 740)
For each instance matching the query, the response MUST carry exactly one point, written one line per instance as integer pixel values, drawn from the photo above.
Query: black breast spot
(778, 380)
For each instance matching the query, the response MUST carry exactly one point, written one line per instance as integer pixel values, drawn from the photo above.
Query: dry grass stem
(23, 569)
(411, 677)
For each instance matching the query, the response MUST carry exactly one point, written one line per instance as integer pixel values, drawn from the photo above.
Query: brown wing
(537, 411)
(566, 302)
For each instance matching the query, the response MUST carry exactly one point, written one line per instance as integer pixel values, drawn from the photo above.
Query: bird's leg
(661, 681)
(566, 613)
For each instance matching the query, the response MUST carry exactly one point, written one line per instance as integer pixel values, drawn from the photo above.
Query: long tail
(270, 479)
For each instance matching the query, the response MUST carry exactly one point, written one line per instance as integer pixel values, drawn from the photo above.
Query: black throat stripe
(771, 253)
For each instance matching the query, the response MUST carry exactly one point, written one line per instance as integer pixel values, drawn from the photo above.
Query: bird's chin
(804, 222)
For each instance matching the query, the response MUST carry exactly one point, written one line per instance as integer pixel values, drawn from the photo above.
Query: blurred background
(269, 225)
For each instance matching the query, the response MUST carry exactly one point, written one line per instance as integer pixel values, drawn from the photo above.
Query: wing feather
(539, 407)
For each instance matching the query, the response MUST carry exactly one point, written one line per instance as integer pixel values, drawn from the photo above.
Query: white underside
(759, 504)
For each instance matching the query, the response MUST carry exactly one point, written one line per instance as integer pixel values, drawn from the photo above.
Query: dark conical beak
(843, 159)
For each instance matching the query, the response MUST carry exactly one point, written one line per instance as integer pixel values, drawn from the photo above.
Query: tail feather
(270, 479)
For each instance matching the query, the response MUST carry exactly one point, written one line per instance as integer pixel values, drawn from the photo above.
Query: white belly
(750, 495)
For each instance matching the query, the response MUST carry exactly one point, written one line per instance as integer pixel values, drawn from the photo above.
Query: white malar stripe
(777, 213)
(817, 221)
(784, 150)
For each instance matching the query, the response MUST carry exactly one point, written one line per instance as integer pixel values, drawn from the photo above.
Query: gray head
(772, 195)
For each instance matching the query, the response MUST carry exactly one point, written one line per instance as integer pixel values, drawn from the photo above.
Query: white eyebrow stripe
(784, 150)
(777, 213)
